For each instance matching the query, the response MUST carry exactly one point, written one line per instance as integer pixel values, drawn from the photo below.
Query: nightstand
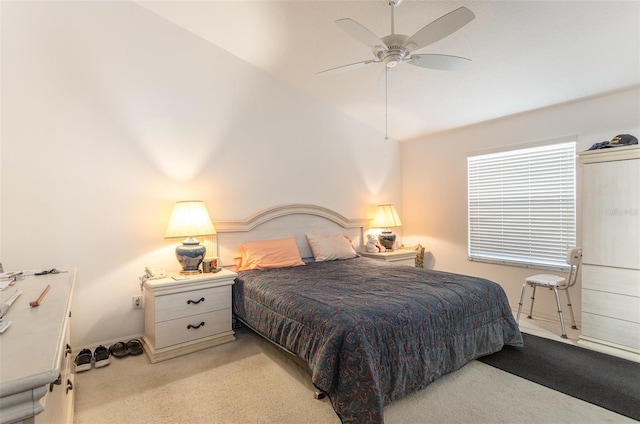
(187, 314)
(398, 257)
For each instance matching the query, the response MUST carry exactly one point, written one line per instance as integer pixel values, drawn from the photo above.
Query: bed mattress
(372, 332)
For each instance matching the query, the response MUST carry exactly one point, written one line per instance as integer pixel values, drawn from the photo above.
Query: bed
(369, 331)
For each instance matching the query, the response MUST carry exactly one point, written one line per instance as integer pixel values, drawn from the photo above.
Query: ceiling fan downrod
(391, 58)
(393, 4)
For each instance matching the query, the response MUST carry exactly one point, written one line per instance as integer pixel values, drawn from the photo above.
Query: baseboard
(613, 349)
(106, 343)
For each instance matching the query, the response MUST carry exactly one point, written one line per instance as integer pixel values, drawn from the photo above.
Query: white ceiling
(526, 54)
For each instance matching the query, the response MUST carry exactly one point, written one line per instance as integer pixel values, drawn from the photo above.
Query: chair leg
(573, 319)
(533, 299)
(524, 287)
(564, 332)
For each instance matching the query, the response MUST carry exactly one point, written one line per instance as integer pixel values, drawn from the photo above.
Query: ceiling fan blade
(440, 28)
(440, 62)
(345, 67)
(360, 33)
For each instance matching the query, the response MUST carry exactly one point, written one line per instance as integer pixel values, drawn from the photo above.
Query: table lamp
(385, 218)
(190, 219)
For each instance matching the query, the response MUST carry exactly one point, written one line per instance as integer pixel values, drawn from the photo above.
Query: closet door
(611, 213)
(611, 251)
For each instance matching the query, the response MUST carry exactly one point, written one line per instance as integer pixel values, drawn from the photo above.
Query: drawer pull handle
(68, 350)
(189, 327)
(69, 386)
(195, 302)
(57, 383)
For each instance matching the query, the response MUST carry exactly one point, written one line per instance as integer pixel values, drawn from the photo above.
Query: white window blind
(522, 206)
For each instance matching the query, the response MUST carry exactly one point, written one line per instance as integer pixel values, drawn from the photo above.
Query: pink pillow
(330, 248)
(268, 254)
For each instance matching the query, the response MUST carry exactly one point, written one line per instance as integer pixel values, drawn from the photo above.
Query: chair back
(574, 259)
(574, 256)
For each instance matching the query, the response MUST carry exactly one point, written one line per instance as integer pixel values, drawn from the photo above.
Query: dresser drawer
(169, 333)
(190, 303)
(612, 330)
(612, 305)
(612, 280)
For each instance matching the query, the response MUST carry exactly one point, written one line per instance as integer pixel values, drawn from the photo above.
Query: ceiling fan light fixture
(392, 58)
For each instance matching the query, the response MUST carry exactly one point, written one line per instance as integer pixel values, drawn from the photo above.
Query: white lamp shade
(189, 219)
(386, 217)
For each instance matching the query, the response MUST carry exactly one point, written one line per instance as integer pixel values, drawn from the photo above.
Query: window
(522, 206)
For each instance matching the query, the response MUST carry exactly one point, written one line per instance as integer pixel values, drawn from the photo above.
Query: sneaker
(101, 356)
(83, 361)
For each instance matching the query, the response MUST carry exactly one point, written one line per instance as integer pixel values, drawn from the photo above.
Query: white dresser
(611, 251)
(185, 315)
(36, 382)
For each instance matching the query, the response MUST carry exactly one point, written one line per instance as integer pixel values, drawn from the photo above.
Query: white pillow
(330, 248)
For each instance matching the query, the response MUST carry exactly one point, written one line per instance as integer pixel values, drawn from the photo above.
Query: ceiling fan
(394, 49)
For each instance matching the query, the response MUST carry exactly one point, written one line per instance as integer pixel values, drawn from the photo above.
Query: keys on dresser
(9, 278)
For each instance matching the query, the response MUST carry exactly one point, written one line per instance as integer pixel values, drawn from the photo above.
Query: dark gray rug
(607, 381)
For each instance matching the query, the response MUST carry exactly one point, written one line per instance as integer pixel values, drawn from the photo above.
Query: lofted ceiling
(526, 55)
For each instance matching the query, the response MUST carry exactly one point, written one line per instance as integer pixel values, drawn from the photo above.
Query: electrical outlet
(137, 302)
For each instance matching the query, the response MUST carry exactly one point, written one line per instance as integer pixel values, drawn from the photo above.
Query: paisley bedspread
(372, 332)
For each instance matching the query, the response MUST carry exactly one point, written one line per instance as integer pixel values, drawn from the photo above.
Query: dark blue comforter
(372, 332)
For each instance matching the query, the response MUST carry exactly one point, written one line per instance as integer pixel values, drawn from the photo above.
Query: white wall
(435, 181)
(111, 114)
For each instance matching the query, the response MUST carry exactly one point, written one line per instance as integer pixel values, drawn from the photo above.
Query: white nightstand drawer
(190, 303)
(190, 328)
(398, 257)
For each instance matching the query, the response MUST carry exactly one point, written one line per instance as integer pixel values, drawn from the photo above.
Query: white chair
(555, 283)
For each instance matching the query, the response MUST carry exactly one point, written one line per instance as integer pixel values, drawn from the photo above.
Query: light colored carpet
(251, 381)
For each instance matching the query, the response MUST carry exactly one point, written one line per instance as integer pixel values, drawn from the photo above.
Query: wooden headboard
(294, 220)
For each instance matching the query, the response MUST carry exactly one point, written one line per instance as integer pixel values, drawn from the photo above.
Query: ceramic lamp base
(387, 239)
(190, 254)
